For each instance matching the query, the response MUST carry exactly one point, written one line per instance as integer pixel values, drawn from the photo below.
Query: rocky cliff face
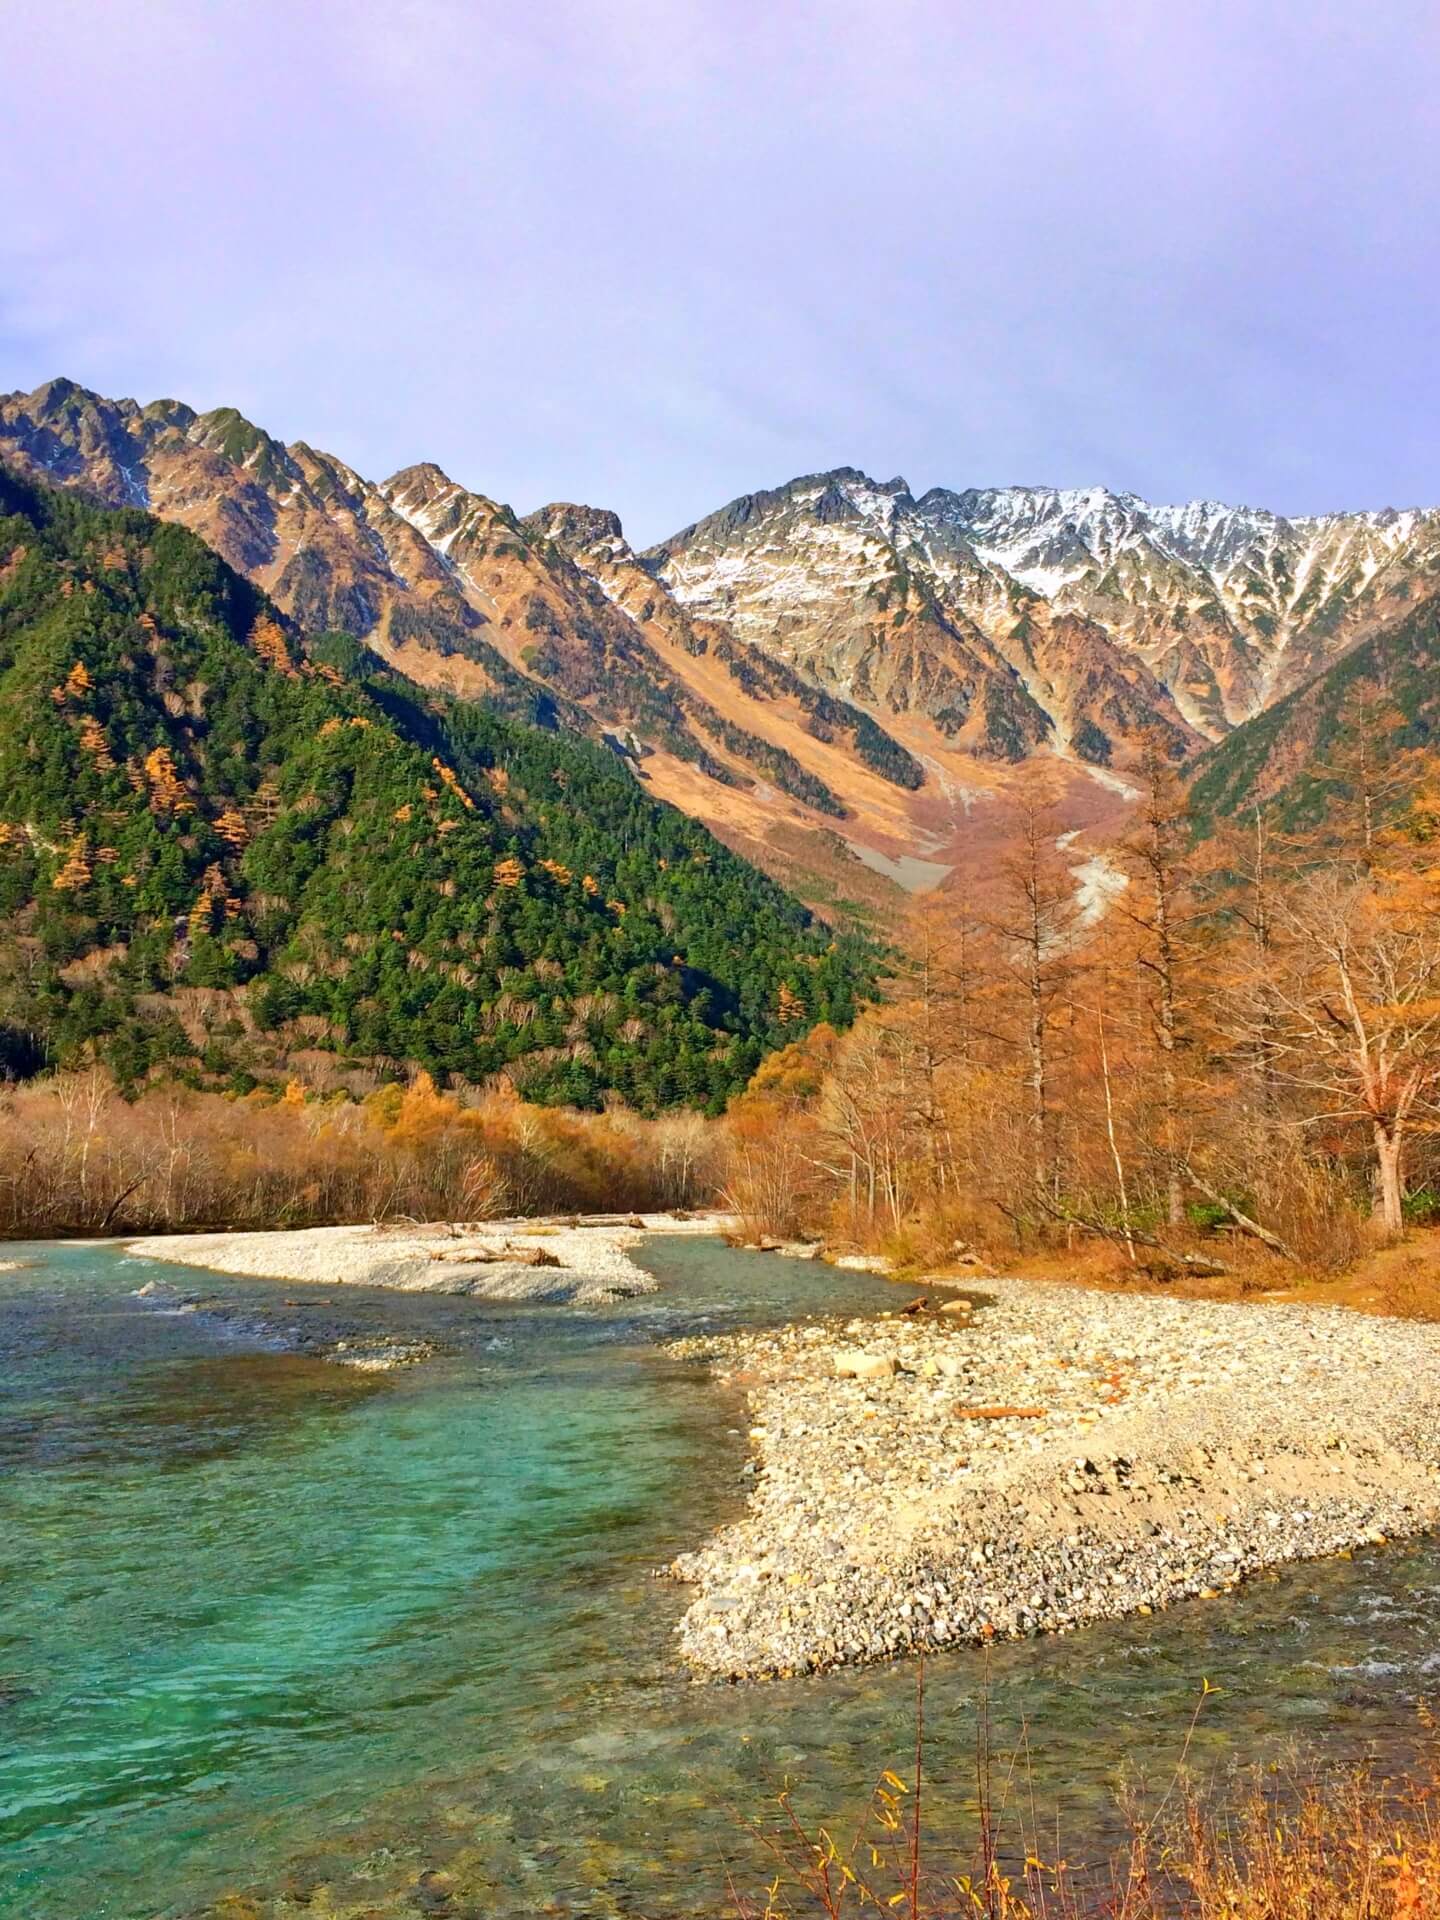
(322, 541)
(1111, 612)
(1229, 607)
(889, 601)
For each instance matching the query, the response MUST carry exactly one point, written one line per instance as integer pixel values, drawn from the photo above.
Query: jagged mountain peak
(1043, 536)
(63, 395)
(841, 493)
(225, 430)
(578, 529)
(422, 478)
(169, 413)
(443, 511)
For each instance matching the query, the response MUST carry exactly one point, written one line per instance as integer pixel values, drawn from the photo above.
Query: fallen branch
(1243, 1220)
(999, 1413)
(120, 1199)
(1116, 1235)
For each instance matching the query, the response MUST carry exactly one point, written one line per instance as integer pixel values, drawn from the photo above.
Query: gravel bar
(569, 1261)
(1063, 1456)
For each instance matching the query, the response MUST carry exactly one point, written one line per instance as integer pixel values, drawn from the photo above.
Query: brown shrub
(76, 1158)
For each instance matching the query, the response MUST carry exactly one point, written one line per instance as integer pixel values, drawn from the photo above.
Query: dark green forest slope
(221, 843)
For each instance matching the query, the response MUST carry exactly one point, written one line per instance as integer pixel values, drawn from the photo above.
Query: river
(272, 1627)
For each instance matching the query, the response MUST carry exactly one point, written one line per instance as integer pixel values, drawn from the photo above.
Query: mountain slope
(322, 542)
(226, 851)
(1225, 608)
(1290, 758)
(886, 601)
(451, 589)
(1230, 607)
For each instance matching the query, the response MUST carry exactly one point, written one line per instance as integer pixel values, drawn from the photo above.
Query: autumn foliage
(75, 1157)
(1245, 1040)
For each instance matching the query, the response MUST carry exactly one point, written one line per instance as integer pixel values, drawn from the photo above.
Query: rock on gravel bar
(1067, 1456)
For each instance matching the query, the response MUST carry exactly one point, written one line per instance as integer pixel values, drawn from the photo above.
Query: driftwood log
(492, 1256)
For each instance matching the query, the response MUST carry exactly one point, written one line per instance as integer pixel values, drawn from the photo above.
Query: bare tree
(1036, 923)
(1358, 1005)
(1160, 908)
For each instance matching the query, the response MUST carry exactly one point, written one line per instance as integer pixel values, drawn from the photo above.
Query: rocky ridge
(884, 599)
(1195, 616)
(451, 588)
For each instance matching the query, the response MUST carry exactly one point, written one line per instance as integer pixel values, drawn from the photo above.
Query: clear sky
(650, 254)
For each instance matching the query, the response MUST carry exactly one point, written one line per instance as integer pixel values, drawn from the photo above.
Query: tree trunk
(1388, 1208)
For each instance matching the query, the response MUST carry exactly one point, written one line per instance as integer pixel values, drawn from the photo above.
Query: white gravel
(1067, 1456)
(589, 1260)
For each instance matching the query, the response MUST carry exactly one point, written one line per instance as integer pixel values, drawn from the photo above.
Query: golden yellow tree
(75, 872)
(95, 743)
(1165, 922)
(789, 1007)
(75, 686)
(167, 794)
(267, 637)
(447, 774)
(232, 829)
(1034, 925)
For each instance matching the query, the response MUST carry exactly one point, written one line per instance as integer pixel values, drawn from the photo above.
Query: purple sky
(651, 254)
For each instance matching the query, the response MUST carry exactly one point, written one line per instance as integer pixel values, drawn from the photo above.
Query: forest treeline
(1247, 1037)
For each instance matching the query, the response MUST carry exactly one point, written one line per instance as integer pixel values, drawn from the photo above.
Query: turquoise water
(268, 1625)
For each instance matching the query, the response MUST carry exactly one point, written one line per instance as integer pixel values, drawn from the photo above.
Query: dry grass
(1407, 1283)
(1401, 1280)
(1351, 1845)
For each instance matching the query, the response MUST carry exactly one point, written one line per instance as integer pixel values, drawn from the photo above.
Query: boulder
(866, 1366)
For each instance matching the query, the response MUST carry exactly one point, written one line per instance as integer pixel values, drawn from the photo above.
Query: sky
(653, 254)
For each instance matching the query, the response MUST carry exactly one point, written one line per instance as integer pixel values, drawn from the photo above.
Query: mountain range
(831, 673)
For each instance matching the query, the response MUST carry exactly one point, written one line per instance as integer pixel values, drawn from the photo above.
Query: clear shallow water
(267, 1624)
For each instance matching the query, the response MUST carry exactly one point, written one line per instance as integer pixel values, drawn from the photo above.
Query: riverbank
(1066, 1456)
(582, 1261)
